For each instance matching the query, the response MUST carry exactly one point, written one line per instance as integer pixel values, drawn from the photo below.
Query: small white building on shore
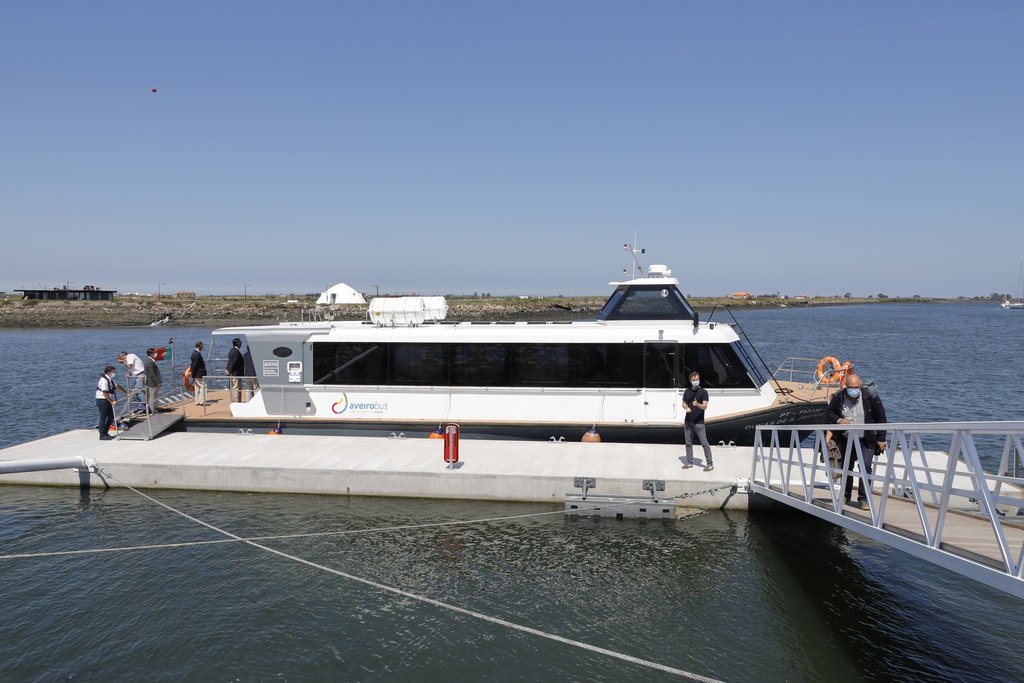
(340, 294)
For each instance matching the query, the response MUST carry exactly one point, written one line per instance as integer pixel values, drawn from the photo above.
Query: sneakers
(687, 465)
(708, 468)
(859, 504)
(106, 437)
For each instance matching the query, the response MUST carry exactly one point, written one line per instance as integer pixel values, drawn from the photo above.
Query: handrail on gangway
(937, 503)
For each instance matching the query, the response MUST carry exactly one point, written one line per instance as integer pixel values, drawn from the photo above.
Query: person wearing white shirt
(136, 375)
(106, 390)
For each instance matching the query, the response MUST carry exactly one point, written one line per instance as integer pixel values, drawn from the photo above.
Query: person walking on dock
(106, 396)
(236, 368)
(197, 366)
(153, 380)
(857, 405)
(695, 402)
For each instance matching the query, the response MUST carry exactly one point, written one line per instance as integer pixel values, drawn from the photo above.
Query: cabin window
(419, 364)
(607, 365)
(540, 365)
(661, 365)
(350, 363)
(479, 365)
(646, 302)
(719, 366)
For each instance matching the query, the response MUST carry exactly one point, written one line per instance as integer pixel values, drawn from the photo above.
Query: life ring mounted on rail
(831, 371)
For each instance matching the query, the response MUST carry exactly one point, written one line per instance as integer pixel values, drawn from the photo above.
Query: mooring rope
(649, 664)
(342, 532)
(278, 537)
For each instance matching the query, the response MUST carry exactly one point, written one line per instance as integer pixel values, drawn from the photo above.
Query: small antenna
(638, 270)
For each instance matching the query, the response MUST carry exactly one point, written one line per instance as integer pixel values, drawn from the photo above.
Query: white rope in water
(278, 537)
(437, 603)
(121, 549)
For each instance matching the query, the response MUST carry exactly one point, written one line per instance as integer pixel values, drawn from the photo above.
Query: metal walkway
(936, 503)
(150, 426)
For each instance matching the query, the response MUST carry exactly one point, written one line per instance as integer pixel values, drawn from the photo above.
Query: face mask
(853, 393)
(694, 383)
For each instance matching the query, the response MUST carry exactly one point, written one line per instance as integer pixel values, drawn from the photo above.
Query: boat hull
(736, 429)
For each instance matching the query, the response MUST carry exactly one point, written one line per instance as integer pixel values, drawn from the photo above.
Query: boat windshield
(646, 302)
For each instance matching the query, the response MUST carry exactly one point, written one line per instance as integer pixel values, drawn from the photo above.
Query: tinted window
(540, 365)
(718, 365)
(282, 352)
(646, 302)
(349, 363)
(480, 365)
(661, 365)
(608, 365)
(420, 364)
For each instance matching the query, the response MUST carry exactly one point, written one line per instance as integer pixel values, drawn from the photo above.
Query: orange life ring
(187, 379)
(827, 366)
(831, 371)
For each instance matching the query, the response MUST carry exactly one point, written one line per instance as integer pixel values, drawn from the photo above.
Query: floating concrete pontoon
(526, 471)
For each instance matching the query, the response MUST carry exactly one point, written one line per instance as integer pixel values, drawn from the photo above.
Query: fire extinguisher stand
(451, 445)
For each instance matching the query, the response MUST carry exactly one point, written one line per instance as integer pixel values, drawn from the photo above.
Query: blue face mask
(853, 393)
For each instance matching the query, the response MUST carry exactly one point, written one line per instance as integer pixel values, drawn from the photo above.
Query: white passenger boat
(1017, 303)
(621, 375)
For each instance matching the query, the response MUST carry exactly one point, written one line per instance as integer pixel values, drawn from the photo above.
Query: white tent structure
(340, 294)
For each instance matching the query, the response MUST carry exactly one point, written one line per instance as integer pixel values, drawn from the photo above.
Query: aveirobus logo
(343, 404)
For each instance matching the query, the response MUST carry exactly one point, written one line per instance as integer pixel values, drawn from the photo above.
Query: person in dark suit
(236, 368)
(153, 379)
(197, 366)
(856, 405)
(251, 385)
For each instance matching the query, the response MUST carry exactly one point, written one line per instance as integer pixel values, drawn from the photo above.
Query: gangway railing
(937, 503)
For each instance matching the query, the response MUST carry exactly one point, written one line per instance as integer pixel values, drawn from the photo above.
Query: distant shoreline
(228, 311)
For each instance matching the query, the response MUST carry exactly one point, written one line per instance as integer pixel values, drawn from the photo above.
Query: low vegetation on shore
(134, 310)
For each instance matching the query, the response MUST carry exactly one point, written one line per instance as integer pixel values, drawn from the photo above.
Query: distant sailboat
(1017, 303)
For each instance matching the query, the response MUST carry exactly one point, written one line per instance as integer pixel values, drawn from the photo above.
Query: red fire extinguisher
(451, 444)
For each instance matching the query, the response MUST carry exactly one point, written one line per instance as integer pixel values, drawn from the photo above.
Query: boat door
(661, 380)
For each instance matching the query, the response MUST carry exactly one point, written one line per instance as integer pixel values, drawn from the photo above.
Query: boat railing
(240, 389)
(946, 478)
(804, 371)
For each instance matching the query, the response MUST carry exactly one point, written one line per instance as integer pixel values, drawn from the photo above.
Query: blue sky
(801, 147)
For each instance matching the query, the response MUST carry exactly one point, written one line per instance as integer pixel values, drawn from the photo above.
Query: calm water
(740, 597)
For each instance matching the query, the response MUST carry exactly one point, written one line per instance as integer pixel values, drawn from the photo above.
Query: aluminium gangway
(928, 496)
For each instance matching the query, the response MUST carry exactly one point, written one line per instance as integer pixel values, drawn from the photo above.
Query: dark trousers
(868, 449)
(106, 415)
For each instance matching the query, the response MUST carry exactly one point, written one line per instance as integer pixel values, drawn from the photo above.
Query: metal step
(146, 429)
(171, 399)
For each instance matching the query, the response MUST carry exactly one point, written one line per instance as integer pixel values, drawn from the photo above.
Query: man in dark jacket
(854, 406)
(236, 368)
(153, 379)
(197, 366)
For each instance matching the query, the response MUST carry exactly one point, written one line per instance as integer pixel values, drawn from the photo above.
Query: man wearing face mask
(853, 406)
(695, 402)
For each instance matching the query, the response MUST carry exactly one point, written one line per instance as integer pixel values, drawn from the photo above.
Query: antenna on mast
(638, 270)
